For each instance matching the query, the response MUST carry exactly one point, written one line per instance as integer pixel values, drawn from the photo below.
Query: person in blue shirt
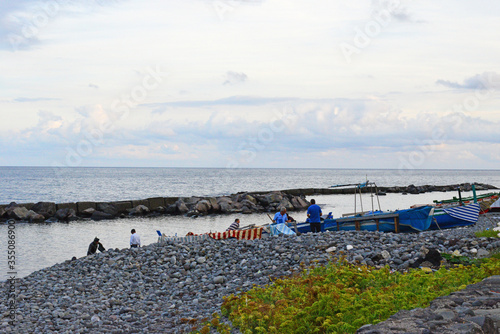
(281, 217)
(314, 215)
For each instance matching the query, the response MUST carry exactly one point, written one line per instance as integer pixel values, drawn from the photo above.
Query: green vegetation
(340, 298)
(487, 234)
(457, 260)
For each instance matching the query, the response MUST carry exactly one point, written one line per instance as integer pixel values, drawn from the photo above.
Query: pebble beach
(168, 287)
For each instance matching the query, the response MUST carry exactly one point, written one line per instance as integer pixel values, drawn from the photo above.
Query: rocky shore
(245, 203)
(169, 288)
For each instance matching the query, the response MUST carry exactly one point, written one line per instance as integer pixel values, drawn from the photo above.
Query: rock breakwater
(168, 288)
(245, 202)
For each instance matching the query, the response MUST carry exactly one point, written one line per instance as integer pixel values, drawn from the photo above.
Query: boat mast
(355, 206)
(371, 195)
(378, 199)
(360, 199)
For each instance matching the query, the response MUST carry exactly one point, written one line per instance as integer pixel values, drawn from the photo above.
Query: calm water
(34, 184)
(43, 245)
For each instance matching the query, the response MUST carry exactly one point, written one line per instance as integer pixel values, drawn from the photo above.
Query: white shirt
(135, 239)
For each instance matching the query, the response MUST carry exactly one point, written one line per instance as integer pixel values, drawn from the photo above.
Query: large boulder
(181, 207)
(225, 207)
(203, 206)
(236, 205)
(34, 217)
(18, 213)
(214, 204)
(251, 199)
(171, 209)
(299, 203)
(262, 200)
(2, 212)
(88, 212)
(107, 208)
(249, 205)
(191, 200)
(48, 209)
(99, 215)
(65, 214)
(285, 203)
(273, 198)
(225, 199)
(225, 204)
(139, 210)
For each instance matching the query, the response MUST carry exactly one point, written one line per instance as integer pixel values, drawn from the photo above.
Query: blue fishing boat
(456, 216)
(407, 220)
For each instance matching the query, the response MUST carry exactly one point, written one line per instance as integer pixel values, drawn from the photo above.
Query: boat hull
(410, 220)
(456, 216)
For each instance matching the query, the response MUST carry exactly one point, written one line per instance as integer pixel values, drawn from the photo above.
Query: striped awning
(251, 234)
(468, 213)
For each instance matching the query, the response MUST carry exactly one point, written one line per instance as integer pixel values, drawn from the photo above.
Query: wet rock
(47, 209)
(181, 207)
(99, 215)
(139, 210)
(107, 208)
(65, 214)
(18, 213)
(203, 206)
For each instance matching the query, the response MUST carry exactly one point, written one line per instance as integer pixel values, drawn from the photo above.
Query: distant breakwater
(243, 202)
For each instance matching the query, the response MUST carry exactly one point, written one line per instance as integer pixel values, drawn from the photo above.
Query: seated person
(235, 225)
(281, 217)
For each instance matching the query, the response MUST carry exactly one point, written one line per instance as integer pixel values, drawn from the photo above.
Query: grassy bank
(340, 298)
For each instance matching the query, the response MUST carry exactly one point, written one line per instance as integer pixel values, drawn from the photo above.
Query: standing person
(235, 225)
(314, 215)
(281, 217)
(94, 245)
(135, 240)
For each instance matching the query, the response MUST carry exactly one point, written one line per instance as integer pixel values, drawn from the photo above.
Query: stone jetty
(244, 202)
(171, 287)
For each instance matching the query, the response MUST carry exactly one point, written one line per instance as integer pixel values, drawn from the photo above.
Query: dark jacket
(94, 245)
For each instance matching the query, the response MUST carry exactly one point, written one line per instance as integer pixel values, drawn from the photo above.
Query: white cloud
(229, 78)
(485, 80)
(233, 78)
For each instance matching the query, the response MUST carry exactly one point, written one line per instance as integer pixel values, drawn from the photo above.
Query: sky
(250, 83)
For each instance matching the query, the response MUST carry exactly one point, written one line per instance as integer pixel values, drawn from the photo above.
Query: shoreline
(156, 287)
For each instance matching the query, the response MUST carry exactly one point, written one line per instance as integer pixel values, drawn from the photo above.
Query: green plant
(487, 234)
(465, 260)
(340, 298)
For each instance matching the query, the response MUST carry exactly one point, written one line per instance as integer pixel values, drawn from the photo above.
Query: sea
(43, 245)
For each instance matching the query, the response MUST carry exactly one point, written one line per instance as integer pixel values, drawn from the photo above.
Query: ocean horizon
(24, 184)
